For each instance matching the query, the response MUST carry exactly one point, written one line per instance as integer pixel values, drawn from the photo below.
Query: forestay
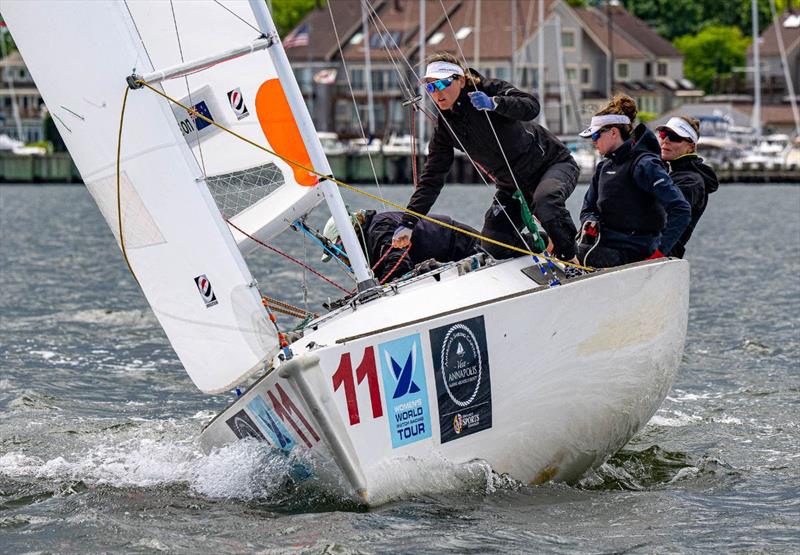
(180, 248)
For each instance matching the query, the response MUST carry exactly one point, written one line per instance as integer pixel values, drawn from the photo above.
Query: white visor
(442, 70)
(682, 128)
(598, 122)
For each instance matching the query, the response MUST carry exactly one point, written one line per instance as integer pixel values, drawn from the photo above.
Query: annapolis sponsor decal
(206, 291)
(271, 424)
(237, 103)
(243, 427)
(405, 390)
(463, 387)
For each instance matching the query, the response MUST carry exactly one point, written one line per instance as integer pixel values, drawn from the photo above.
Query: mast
(476, 53)
(756, 73)
(562, 104)
(421, 113)
(317, 155)
(785, 65)
(368, 71)
(513, 41)
(540, 63)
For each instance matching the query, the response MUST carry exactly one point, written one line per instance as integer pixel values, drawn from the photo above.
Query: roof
(769, 38)
(322, 44)
(597, 23)
(13, 60)
(642, 33)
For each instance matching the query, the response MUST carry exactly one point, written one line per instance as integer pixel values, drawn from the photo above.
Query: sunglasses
(438, 85)
(672, 136)
(596, 135)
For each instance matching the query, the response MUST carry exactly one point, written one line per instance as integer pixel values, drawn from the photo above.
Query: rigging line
(119, 195)
(286, 255)
(353, 96)
(345, 185)
(494, 132)
(188, 92)
(335, 256)
(136, 27)
(237, 16)
(405, 84)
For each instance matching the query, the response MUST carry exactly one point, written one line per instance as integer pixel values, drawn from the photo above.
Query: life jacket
(623, 206)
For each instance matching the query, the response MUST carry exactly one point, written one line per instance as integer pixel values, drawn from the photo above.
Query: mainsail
(178, 177)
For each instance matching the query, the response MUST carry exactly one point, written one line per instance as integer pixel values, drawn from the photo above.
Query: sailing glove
(482, 101)
(656, 254)
(401, 237)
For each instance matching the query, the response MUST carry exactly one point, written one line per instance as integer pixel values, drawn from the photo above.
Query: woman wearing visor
(632, 210)
(491, 121)
(696, 180)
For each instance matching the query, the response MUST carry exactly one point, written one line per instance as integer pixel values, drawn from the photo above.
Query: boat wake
(652, 468)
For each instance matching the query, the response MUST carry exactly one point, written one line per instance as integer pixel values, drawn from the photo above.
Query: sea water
(99, 424)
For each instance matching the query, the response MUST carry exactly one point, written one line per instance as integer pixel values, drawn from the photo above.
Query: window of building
(357, 38)
(377, 79)
(501, 73)
(529, 78)
(572, 74)
(357, 78)
(662, 69)
(622, 70)
(463, 33)
(437, 37)
(568, 38)
(586, 76)
(385, 39)
(648, 69)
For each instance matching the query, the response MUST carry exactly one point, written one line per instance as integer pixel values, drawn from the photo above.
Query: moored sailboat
(498, 361)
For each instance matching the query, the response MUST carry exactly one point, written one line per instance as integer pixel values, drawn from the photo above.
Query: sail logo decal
(463, 388)
(206, 291)
(192, 126)
(237, 103)
(405, 390)
(271, 424)
(243, 426)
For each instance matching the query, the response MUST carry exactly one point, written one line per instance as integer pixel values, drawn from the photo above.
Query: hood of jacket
(644, 140)
(692, 162)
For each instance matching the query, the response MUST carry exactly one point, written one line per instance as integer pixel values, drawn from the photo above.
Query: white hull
(571, 373)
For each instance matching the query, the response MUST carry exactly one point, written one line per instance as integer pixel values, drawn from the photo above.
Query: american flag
(298, 37)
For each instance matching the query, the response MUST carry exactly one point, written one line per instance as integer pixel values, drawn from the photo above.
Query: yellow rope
(350, 187)
(119, 195)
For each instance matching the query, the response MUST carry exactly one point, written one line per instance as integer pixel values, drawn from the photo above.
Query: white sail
(179, 247)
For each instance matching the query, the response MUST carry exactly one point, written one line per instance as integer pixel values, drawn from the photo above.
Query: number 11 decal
(344, 377)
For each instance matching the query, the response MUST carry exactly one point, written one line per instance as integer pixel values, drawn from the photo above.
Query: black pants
(503, 220)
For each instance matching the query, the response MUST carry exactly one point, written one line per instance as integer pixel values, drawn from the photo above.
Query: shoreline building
(499, 38)
(17, 85)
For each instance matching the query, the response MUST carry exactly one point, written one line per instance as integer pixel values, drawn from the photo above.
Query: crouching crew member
(428, 241)
(632, 210)
(696, 180)
(491, 121)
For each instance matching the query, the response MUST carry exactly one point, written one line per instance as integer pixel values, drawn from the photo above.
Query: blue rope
(335, 255)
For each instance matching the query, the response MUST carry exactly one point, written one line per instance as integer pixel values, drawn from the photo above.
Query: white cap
(442, 70)
(598, 122)
(682, 128)
(331, 233)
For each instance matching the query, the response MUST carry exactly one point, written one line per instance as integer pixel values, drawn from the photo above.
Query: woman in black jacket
(696, 180)
(632, 210)
(491, 121)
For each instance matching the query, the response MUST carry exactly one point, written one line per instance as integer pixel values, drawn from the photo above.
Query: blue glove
(401, 237)
(482, 101)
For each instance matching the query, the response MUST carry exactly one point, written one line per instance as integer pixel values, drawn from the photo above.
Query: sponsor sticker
(463, 387)
(243, 427)
(237, 103)
(193, 127)
(405, 390)
(271, 424)
(206, 291)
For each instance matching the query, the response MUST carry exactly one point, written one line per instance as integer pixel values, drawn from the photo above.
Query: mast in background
(540, 72)
(368, 71)
(311, 140)
(476, 52)
(756, 73)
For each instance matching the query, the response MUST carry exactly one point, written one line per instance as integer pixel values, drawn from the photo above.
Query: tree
(288, 13)
(713, 52)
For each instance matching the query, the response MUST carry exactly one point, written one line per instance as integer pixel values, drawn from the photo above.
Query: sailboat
(481, 360)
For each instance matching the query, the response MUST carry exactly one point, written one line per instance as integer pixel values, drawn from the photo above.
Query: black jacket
(696, 181)
(428, 240)
(530, 148)
(647, 175)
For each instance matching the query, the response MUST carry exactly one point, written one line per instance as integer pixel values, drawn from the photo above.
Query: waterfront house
(17, 87)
